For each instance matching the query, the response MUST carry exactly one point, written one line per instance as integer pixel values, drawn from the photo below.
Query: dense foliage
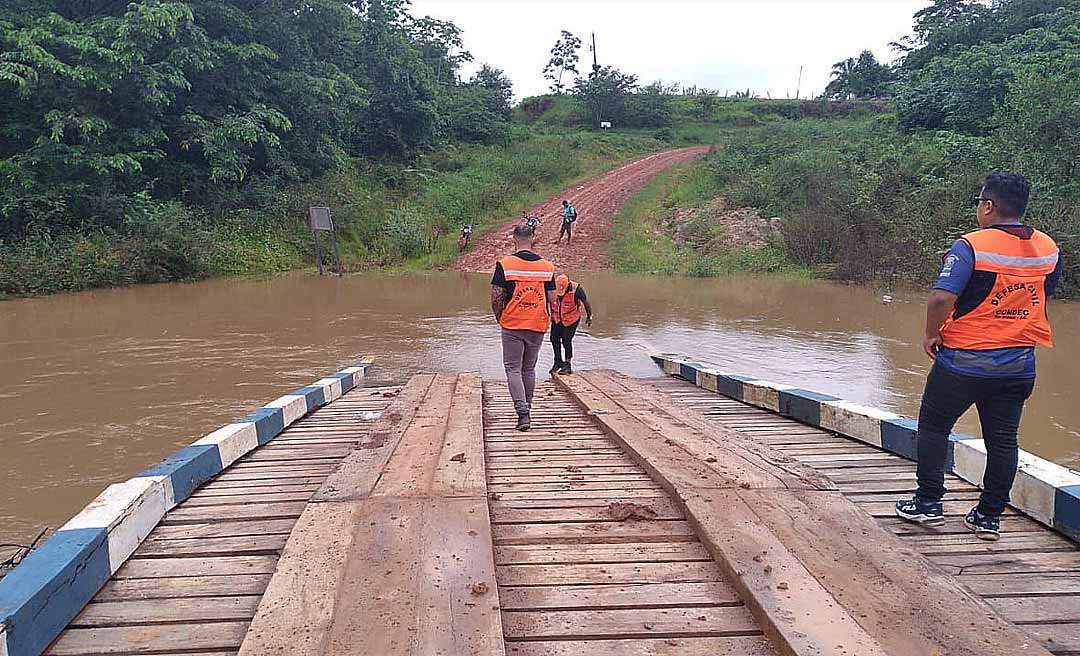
(140, 123)
(980, 87)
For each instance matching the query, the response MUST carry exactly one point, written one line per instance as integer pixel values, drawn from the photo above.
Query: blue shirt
(956, 271)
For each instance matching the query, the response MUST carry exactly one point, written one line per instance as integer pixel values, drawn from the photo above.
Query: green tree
(604, 93)
(564, 58)
(864, 77)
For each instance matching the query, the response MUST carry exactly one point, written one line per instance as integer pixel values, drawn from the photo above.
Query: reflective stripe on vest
(565, 310)
(1004, 305)
(527, 308)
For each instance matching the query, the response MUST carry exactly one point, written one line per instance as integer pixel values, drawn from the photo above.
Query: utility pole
(798, 87)
(595, 65)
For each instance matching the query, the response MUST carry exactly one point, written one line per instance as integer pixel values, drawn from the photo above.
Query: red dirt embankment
(597, 201)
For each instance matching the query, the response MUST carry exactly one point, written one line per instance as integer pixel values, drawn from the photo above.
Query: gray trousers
(520, 351)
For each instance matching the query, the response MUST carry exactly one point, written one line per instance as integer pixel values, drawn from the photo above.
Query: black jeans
(562, 337)
(1000, 402)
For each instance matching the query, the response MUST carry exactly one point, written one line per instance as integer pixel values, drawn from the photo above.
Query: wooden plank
(630, 623)
(632, 531)
(460, 468)
(279, 510)
(501, 514)
(149, 639)
(184, 586)
(410, 470)
(622, 495)
(260, 544)
(635, 552)
(969, 543)
(1022, 585)
(620, 573)
(156, 568)
(800, 614)
(360, 470)
(670, 417)
(681, 646)
(599, 486)
(1061, 638)
(414, 564)
(223, 503)
(1030, 610)
(135, 612)
(651, 595)
(840, 544)
(297, 610)
(223, 529)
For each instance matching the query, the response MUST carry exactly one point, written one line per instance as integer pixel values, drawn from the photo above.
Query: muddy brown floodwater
(97, 386)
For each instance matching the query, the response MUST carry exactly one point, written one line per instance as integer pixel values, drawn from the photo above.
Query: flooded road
(98, 386)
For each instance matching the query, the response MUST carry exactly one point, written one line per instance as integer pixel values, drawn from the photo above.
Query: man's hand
(588, 321)
(931, 346)
(938, 308)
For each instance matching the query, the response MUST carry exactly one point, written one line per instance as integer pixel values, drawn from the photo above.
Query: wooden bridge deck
(1031, 576)
(194, 585)
(635, 518)
(577, 575)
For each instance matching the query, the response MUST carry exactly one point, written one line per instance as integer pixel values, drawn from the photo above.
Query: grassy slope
(641, 244)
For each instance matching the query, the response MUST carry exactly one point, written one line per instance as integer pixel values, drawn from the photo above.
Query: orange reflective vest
(527, 308)
(1004, 305)
(565, 311)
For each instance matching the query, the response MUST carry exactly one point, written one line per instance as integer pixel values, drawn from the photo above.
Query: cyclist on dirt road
(569, 216)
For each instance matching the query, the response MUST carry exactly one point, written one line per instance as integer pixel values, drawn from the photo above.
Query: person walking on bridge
(985, 316)
(522, 289)
(569, 216)
(565, 318)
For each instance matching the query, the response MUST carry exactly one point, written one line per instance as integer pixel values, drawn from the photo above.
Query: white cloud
(720, 44)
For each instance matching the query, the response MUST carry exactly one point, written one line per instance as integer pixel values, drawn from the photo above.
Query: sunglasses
(977, 200)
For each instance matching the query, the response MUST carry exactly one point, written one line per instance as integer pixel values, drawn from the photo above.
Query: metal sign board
(320, 218)
(605, 124)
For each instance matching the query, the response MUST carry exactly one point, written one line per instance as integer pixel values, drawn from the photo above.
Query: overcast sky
(718, 44)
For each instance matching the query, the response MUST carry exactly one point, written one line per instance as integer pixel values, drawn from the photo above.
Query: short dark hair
(523, 231)
(566, 202)
(1010, 192)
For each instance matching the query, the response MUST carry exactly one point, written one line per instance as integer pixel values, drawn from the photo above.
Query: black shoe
(523, 422)
(565, 368)
(555, 368)
(921, 512)
(986, 527)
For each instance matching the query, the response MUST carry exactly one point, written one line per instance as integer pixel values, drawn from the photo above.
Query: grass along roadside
(643, 233)
(387, 215)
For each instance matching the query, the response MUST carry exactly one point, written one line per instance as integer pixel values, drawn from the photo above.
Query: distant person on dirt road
(565, 318)
(522, 290)
(985, 316)
(569, 216)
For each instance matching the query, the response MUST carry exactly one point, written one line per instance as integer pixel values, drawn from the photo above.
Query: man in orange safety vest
(565, 318)
(985, 316)
(522, 289)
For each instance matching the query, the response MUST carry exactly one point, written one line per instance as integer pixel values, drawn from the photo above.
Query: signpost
(321, 219)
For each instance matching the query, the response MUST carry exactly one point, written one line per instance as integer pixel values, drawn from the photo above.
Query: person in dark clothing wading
(985, 316)
(522, 290)
(565, 318)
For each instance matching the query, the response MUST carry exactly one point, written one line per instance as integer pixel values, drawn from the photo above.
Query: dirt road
(597, 201)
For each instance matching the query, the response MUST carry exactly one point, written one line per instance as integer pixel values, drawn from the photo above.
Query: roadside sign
(605, 124)
(320, 218)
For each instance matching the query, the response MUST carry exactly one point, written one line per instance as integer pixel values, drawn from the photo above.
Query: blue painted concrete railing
(49, 588)
(1047, 492)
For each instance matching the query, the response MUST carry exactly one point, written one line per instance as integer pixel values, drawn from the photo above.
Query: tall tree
(864, 77)
(605, 92)
(564, 58)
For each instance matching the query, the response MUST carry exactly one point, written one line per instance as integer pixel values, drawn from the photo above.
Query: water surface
(97, 386)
